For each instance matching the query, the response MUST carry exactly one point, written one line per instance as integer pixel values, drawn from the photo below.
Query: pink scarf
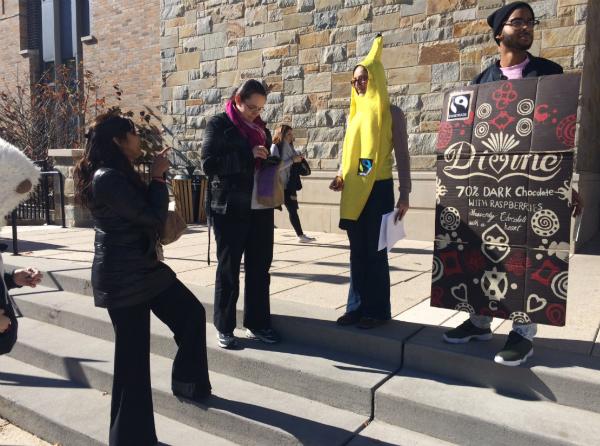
(254, 132)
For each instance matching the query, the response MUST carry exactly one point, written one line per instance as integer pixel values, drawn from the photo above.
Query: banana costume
(367, 150)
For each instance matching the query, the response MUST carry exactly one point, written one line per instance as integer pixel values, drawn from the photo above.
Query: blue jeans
(353, 298)
(528, 331)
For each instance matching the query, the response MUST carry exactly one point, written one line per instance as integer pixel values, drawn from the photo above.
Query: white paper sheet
(390, 233)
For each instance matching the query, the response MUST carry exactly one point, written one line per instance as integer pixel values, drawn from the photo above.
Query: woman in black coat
(234, 150)
(130, 281)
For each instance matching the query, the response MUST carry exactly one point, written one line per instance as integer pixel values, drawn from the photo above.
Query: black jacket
(228, 162)
(9, 337)
(127, 218)
(537, 66)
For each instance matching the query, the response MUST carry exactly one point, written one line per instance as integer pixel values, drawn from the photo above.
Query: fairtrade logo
(459, 106)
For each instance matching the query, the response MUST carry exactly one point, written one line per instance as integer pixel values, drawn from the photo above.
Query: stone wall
(589, 137)
(306, 49)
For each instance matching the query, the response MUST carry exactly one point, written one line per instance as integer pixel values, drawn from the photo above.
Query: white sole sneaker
(226, 344)
(499, 360)
(254, 337)
(482, 337)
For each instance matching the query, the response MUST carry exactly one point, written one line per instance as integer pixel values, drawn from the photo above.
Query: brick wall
(306, 50)
(13, 34)
(126, 49)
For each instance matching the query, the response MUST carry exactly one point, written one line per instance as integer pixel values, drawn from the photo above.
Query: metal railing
(41, 203)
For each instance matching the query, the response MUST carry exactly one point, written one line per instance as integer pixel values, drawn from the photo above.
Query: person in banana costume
(376, 131)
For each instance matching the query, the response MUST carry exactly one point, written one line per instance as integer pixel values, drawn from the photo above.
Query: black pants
(369, 267)
(132, 417)
(253, 237)
(291, 204)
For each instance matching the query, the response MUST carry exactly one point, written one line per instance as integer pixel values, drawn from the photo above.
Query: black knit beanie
(497, 18)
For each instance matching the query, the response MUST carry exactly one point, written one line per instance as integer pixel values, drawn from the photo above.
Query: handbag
(296, 171)
(269, 187)
(304, 168)
(173, 228)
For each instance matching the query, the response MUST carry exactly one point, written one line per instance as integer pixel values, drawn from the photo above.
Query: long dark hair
(102, 151)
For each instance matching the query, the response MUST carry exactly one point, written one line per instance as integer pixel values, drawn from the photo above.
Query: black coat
(126, 270)
(537, 66)
(228, 161)
(9, 337)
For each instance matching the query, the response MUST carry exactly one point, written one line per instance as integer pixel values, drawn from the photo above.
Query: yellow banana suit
(367, 150)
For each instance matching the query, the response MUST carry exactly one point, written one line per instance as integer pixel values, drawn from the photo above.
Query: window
(63, 23)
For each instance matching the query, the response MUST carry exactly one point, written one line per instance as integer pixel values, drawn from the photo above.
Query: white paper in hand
(390, 233)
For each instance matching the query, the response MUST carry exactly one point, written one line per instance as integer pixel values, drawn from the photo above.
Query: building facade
(187, 56)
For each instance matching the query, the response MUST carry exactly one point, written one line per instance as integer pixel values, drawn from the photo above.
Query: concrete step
(239, 410)
(567, 378)
(467, 415)
(307, 324)
(62, 411)
(378, 433)
(335, 378)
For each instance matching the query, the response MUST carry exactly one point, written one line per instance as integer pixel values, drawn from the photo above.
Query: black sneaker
(349, 318)
(516, 350)
(466, 332)
(226, 340)
(267, 335)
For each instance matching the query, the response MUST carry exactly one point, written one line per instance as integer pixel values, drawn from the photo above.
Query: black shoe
(266, 335)
(466, 332)
(349, 318)
(190, 391)
(226, 340)
(367, 323)
(516, 350)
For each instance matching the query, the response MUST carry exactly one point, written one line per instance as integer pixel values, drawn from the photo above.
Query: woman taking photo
(234, 150)
(291, 162)
(130, 281)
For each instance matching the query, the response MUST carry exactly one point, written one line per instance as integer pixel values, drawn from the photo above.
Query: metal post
(13, 218)
(46, 193)
(61, 181)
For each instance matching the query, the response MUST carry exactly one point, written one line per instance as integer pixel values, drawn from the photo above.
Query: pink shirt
(516, 71)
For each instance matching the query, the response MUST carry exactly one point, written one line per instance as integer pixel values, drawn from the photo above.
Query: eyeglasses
(253, 108)
(520, 23)
(360, 80)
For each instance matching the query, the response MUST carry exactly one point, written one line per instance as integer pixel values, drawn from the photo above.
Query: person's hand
(297, 158)
(4, 321)
(160, 164)
(260, 152)
(337, 184)
(27, 277)
(401, 208)
(577, 204)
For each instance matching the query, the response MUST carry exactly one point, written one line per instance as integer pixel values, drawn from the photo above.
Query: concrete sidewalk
(317, 274)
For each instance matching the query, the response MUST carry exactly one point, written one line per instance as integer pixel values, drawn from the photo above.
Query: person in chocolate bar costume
(513, 27)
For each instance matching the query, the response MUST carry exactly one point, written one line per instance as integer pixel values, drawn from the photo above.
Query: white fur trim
(14, 169)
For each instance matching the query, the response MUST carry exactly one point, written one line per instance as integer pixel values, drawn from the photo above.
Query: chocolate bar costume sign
(502, 223)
